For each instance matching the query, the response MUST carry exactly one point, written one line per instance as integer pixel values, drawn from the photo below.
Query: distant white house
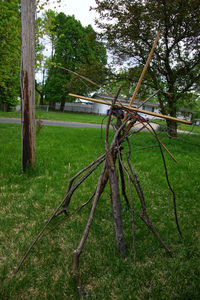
(197, 122)
(148, 106)
(101, 109)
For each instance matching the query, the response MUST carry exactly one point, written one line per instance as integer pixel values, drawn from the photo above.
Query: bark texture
(28, 82)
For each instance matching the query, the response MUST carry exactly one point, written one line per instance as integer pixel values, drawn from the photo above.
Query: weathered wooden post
(28, 82)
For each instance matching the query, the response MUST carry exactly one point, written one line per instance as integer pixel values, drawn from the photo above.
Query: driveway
(55, 123)
(68, 124)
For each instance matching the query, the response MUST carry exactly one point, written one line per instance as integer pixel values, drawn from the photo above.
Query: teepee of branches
(115, 165)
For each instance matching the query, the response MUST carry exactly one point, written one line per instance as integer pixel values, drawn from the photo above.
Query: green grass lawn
(27, 200)
(59, 116)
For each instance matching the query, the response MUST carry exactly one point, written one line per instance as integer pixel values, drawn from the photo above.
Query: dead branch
(144, 215)
(123, 186)
(78, 251)
(153, 133)
(83, 170)
(132, 202)
(168, 182)
(86, 79)
(156, 92)
(77, 184)
(114, 188)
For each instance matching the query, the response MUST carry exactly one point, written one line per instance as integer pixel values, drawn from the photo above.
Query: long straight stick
(144, 70)
(133, 109)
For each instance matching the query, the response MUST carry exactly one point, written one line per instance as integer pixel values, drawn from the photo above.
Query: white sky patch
(79, 8)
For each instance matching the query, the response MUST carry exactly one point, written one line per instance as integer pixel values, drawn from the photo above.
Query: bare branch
(85, 78)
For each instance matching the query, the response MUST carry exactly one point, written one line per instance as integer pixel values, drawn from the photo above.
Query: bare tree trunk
(62, 105)
(41, 94)
(28, 82)
(52, 106)
(4, 107)
(172, 128)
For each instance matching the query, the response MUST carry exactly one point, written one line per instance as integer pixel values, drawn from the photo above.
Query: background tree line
(10, 53)
(73, 46)
(128, 31)
(76, 48)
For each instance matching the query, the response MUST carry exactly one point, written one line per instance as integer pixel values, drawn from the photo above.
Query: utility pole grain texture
(28, 82)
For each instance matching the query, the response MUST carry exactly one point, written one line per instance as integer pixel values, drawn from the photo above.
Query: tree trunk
(41, 99)
(28, 82)
(172, 128)
(170, 110)
(41, 95)
(4, 107)
(52, 105)
(62, 106)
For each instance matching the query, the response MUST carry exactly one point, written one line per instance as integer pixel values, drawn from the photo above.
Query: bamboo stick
(133, 109)
(160, 142)
(144, 70)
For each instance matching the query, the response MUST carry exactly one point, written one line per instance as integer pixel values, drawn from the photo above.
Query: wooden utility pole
(28, 82)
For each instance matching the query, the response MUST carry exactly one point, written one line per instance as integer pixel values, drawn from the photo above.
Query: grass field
(27, 200)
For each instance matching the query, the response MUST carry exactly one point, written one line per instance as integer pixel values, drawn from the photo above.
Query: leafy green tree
(130, 27)
(45, 40)
(48, 25)
(197, 106)
(127, 79)
(39, 47)
(9, 53)
(44, 27)
(77, 49)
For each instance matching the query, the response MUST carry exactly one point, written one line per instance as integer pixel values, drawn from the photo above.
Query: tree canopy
(77, 49)
(9, 52)
(130, 27)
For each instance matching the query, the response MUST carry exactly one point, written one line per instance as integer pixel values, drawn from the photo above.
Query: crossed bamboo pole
(134, 109)
(144, 70)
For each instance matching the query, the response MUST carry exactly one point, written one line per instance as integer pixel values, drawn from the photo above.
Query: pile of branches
(109, 161)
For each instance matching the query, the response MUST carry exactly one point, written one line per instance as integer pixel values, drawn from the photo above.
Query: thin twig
(132, 202)
(144, 215)
(83, 170)
(144, 148)
(85, 78)
(168, 182)
(123, 186)
(156, 92)
(77, 184)
(153, 133)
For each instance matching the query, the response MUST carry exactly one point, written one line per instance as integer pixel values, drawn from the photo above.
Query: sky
(79, 8)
